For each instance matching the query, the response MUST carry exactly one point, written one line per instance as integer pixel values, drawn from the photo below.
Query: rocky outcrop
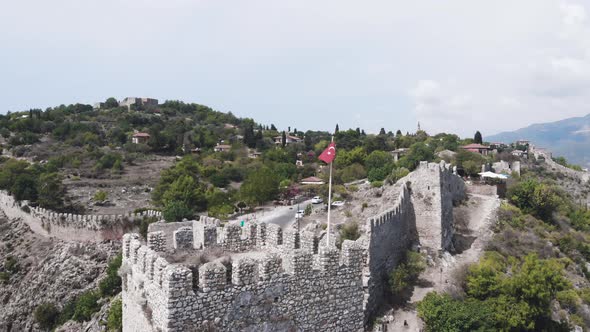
(48, 270)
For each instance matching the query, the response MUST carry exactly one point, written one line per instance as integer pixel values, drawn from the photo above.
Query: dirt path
(475, 219)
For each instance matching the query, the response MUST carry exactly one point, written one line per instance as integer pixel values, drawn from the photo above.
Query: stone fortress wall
(71, 227)
(422, 215)
(292, 283)
(545, 154)
(286, 288)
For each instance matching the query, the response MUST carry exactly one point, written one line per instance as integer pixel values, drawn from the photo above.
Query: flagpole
(329, 201)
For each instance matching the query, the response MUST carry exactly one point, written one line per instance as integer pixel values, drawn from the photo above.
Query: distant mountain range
(569, 138)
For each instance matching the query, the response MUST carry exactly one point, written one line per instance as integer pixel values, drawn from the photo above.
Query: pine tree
(477, 138)
(337, 129)
(284, 139)
(272, 127)
(249, 137)
(382, 131)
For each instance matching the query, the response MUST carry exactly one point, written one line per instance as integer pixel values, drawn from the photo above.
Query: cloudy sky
(455, 66)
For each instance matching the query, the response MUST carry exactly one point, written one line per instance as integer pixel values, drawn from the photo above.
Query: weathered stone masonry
(299, 291)
(297, 285)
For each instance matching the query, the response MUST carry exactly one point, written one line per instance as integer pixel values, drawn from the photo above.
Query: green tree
(51, 191)
(538, 199)
(378, 159)
(184, 196)
(260, 186)
(418, 152)
(477, 138)
(177, 211)
(111, 103)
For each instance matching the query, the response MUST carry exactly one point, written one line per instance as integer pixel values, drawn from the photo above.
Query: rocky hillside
(36, 270)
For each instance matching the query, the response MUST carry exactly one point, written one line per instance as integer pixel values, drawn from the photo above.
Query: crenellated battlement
(60, 225)
(173, 296)
(208, 233)
(282, 279)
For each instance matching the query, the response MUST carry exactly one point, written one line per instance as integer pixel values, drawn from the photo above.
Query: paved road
(281, 215)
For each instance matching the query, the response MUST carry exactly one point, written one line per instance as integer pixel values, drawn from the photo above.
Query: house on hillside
(498, 145)
(289, 139)
(229, 126)
(253, 153)
(222, 148)
(312, 180)
(140, 138)
(478, 148)
(398, 153)
(519, 153)
(128, 101)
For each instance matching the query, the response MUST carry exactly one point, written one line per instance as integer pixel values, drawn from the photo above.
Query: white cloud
(458, 65)
(546, 78)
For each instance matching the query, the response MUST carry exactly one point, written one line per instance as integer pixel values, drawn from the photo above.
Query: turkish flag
(329, 153)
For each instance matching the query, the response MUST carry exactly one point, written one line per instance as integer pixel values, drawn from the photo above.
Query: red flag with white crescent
(329, 153)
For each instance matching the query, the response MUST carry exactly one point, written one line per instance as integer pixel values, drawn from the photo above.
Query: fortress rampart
(422, 215)
(282, 280)
(67, 226)
(279, 291)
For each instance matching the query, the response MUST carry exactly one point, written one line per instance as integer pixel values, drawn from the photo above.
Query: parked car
(317, 200)
(337, 203)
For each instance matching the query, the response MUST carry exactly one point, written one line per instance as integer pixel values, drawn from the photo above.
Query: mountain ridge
(569, 138)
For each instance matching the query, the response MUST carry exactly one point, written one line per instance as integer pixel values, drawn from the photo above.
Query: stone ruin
(282, 280)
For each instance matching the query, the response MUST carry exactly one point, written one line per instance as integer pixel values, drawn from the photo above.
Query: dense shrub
(111, 284)
(46, 315)
(115, 317)
(538, 199)
(86, 305)
(350, 231)
(403, 277)
(504, 294)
